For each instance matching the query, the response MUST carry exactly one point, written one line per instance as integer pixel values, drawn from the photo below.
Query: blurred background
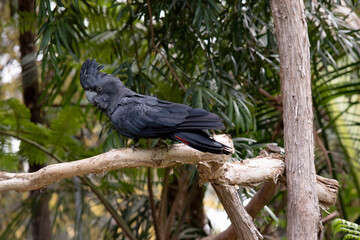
(218, 55)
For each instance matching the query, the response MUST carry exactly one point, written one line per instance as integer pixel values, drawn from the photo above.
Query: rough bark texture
(249, 172)
(293, 43)
(176, 154)
(260, 199)
(40, 223)
(240, 219)
(246, 173)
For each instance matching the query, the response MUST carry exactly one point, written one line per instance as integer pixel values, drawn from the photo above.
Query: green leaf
(32, 154)
(64, 127)
(239, 121)
(199, 103)
(9, 162)
(47, 36)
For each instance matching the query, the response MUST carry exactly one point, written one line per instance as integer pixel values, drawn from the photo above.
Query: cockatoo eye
(98, 89)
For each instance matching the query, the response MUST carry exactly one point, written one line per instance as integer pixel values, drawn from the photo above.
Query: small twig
(189, 198)
(152, 205)
(158, 50)
(330, 217)
(325, 220)
(276, 99)
(171, 69)
(164, 200)
(120, 221)
(151, 24)
(325, 152)
(136, 48)
(179, 198)
(278, 209)
(261, 198)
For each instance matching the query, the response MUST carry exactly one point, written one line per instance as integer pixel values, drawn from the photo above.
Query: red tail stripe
(182, 140)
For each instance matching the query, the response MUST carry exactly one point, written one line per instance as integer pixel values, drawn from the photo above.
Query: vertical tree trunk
(40, 224)
(292, 35)
(28, 64)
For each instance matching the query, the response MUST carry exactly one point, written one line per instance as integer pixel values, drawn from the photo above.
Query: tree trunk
(40, 224)
(292, 35)
(28, 64)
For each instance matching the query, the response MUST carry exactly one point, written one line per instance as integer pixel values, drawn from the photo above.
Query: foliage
(351, 230)
(218, 55)
(59, 138)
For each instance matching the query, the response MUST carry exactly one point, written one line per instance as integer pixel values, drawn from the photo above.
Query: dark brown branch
(119, 221)
(325, 152)
(152, 205)
(330, 217)
(261, 198)
(179, 198)
(163, 201)
(185, 208)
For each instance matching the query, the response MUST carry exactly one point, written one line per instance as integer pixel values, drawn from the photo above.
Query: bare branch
(240, 219)
(268, 168)
(249, 172)
(330, 217)
(260, 199)
(114, 159)
(252, 172)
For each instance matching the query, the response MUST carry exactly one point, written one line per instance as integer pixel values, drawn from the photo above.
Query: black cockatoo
(139, 116)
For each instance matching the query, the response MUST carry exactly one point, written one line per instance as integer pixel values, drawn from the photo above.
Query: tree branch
(30, 142)
(115, 215)
(257, 202)
(330, 217)
(249, 172)
(114, 159)
(254, 171)
(268, 168)
(240, 219)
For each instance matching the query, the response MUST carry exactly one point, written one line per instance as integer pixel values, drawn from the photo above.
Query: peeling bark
(212, 168)
(115, 159)
(294, 50)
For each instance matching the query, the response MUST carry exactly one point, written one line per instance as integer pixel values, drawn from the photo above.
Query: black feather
(201, 141)
(138, 116)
